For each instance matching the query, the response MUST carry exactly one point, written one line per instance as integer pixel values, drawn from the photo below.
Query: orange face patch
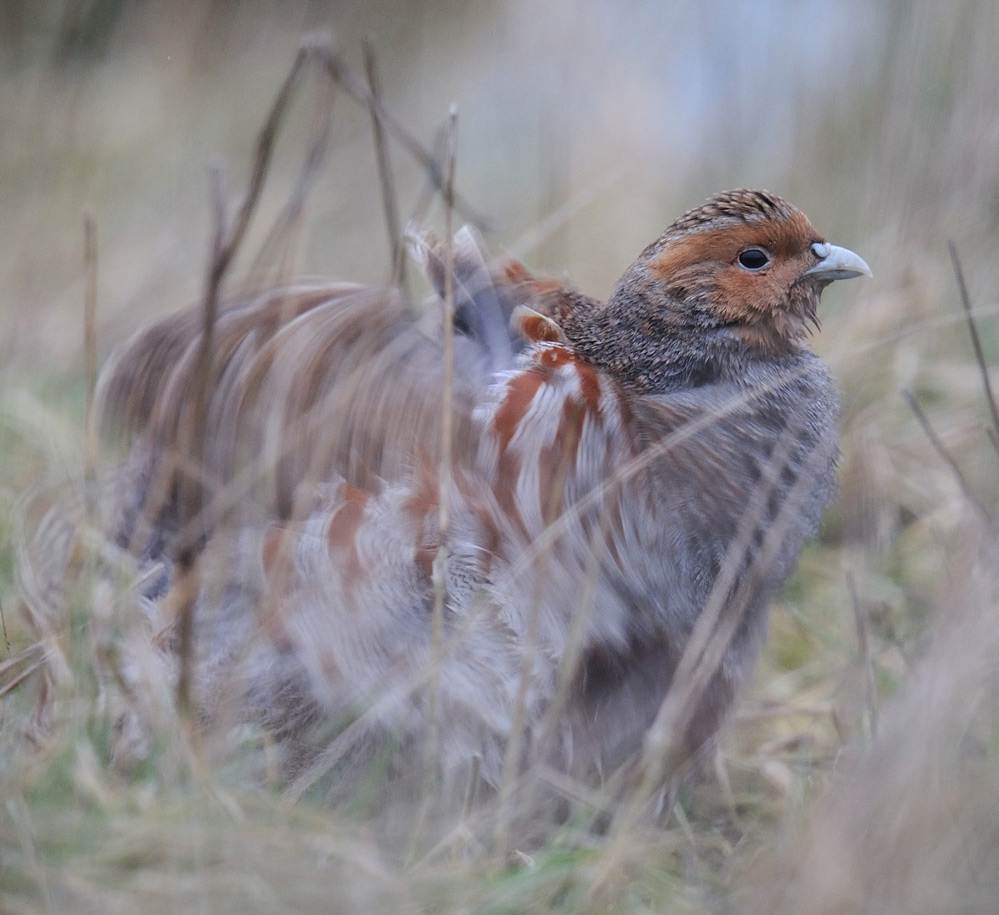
(782, 238)
(708, 260)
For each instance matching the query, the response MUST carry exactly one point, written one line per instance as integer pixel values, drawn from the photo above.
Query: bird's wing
(308, 384)
(347, 588)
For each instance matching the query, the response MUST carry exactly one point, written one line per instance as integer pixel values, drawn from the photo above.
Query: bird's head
(745, 260)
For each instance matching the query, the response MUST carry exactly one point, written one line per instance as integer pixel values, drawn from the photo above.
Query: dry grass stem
(444, 484)
(990, 400)
(289, 223)
(941, 449)
(3, 626)
(353, 86)
(386, 179)
(864, 653)
(90, 347)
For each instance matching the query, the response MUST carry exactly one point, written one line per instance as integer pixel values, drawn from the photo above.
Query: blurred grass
(880, 120)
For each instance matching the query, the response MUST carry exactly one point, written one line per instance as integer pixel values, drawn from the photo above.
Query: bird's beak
(837, 263)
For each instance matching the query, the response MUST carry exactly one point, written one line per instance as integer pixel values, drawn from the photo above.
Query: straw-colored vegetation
(861, 772)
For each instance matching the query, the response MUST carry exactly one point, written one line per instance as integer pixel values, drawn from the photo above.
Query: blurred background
(879, 119)
(585, 127)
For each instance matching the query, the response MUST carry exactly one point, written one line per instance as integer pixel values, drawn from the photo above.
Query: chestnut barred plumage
(610, 465)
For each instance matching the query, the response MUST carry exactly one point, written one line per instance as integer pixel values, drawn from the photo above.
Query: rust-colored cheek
(745, 298)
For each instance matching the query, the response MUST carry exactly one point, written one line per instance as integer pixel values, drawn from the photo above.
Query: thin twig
(13, 683)
(385, 176)
(544, 228)
(261, 162)
(291, 213)
(444, 469)
(22, 656)
(571, 659)
(941, 449)
(225, 243)
(90, 345)
(356, 88)
(517, 741)
(864, 651)
(444, 474)
(428, 192)
(976, 342)
(3, 622)
(193, 493)
(472, 787)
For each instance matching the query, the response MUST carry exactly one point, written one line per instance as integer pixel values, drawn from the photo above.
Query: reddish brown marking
(783, 237)
(507, 474)
(342, 528)
(424, 558)
(276, 553)
(312, 298)
(762, 300)
(516, 272)
(706, 261)
(424, 496)
(278, 561)
(558, 460)
(423, 502)
(491, 538)
(545, 288)
(331, 670)
(589, 385)
(520, 392)
(772, 338)
(540, 329)
(554, 356)
(546, 295)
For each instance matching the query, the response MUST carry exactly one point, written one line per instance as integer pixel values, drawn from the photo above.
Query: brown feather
(636, 457)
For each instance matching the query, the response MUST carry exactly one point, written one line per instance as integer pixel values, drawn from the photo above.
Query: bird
(501, 529)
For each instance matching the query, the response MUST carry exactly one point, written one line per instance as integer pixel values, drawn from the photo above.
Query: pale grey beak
(837, 263)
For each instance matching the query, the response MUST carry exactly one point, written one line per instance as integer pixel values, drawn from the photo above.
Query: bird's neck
(659, 349)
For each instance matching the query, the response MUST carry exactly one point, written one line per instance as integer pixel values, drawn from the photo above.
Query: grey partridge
(611, 466)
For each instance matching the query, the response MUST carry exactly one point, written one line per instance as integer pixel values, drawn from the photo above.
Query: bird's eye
(754, 258)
